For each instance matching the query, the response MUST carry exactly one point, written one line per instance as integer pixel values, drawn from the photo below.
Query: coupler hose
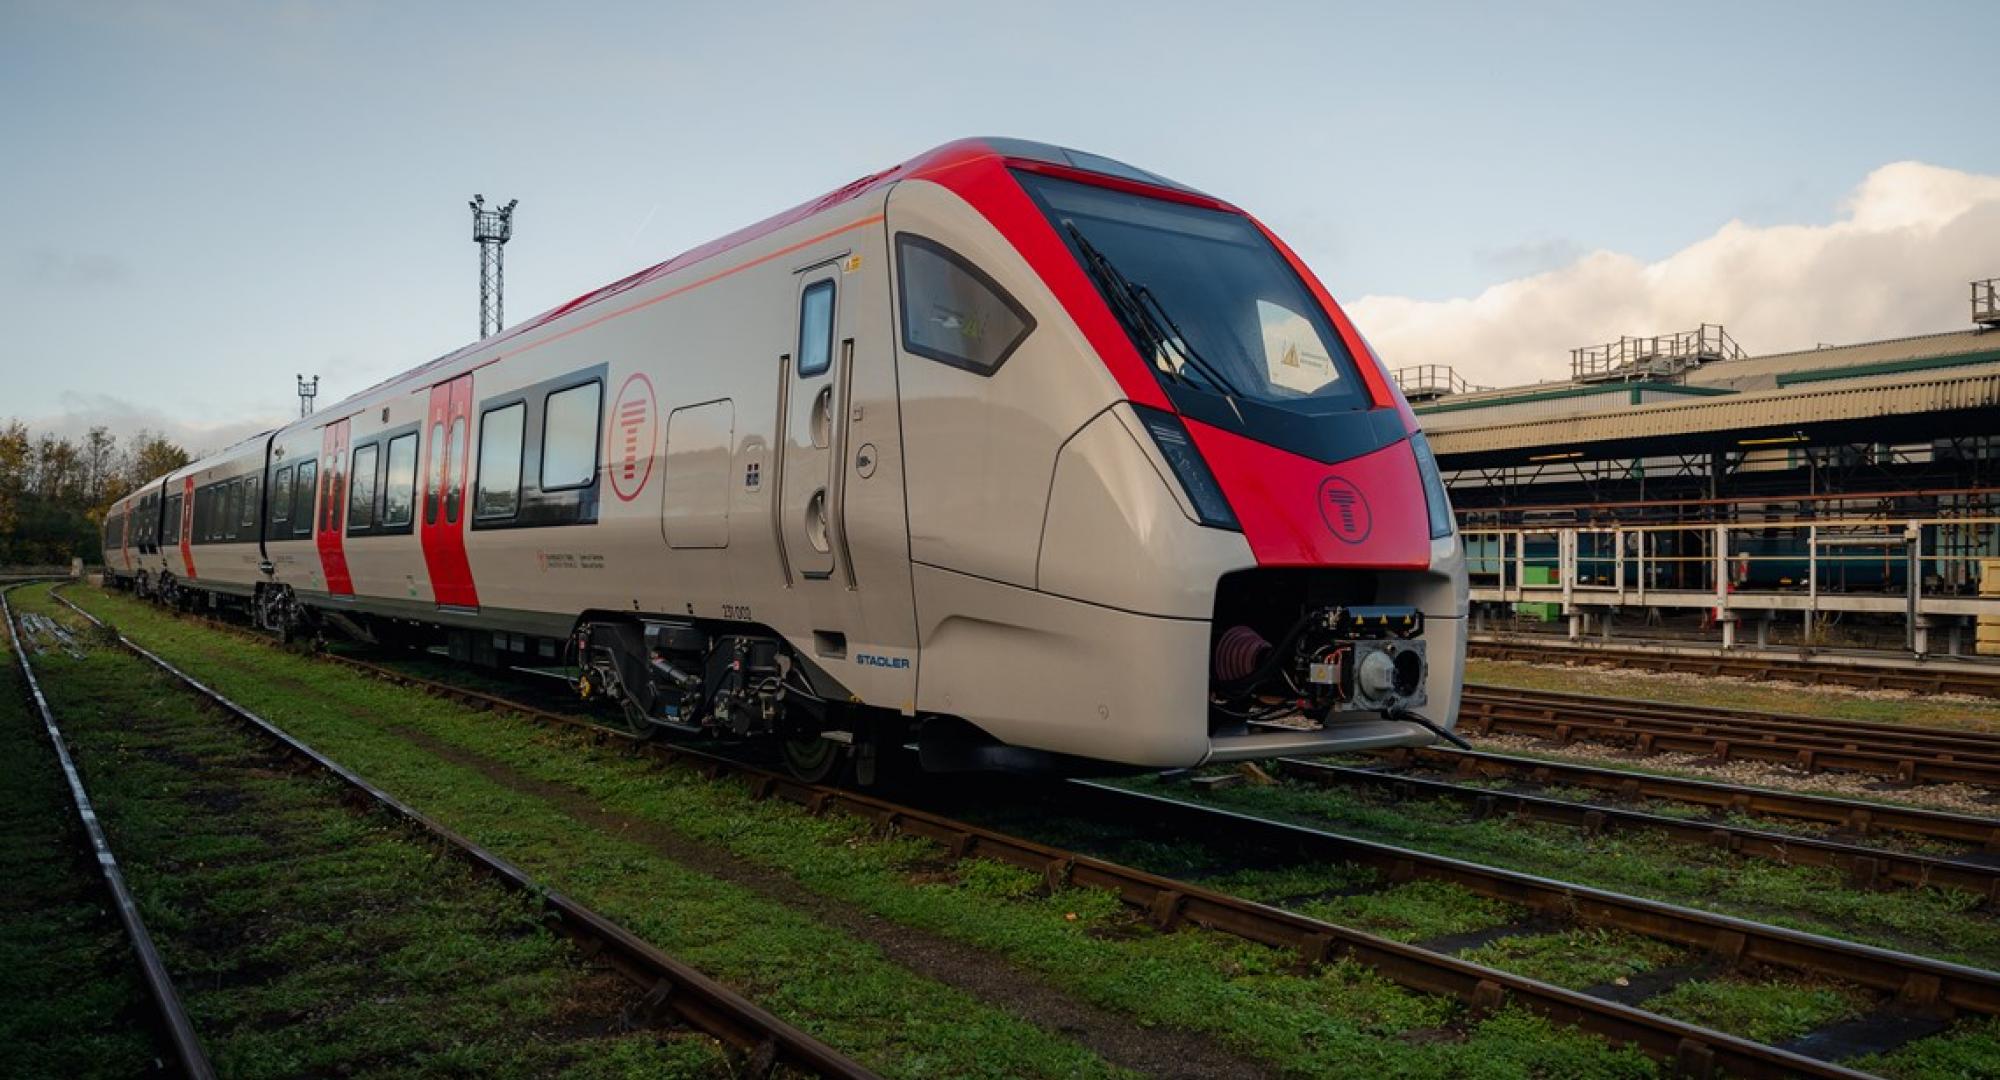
(1397, 712)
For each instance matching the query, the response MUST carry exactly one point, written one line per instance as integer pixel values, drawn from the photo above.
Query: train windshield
(1206, 298)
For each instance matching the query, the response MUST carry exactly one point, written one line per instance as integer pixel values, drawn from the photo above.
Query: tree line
(54, 492)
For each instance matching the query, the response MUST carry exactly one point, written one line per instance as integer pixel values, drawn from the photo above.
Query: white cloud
(1895, 263)
(81, 412)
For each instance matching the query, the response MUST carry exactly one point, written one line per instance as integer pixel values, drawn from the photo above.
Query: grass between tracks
(1768, 1006)
(1939, 922)
(72, 1003)
(1830, 702)
(1336, 1020)
(311, 939)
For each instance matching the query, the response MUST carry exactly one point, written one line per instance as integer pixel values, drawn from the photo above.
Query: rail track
(173, 1017)
(1866, 867)
(1908, 981)
(1773, 669)
(765, 1042)
(1911, 755)
(1861, 818)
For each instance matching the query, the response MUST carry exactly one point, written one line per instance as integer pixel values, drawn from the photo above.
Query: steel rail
(1722, 740)
(1913, 980)
(1947, 740)
(1969, 746)
(1973, 683)
(174, 1019)
(1862, 817)
(670, 984)
(1693, 1050)
(1168, 903)
(1867, 867)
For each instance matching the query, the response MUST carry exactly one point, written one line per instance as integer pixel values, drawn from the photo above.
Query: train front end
(1315, 540)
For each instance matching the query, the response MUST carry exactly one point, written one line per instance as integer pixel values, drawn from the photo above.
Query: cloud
(79, 412)
(1893, 263)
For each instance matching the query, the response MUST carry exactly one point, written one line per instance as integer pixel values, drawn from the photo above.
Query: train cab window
(302, 498)
(399, 484)
(816, 329)
(569, 437)
(500, 462)
(454, 457)
(952, 312)
(361, 490)
(281, 496)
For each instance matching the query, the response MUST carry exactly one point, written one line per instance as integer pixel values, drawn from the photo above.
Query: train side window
(816, 328)
(361, 490)
(399, 486)
(249, 518)
(500, 462)
(434, 491)
(302, 498)
(952, 311)
(336, 490)
(281, 496)
(170, 525)
(232, 511)
(569, 437)
(454, 456)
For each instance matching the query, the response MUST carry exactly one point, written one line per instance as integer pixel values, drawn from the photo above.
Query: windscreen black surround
(1266, 360)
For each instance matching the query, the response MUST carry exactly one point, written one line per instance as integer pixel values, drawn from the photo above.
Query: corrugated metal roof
(1750, 411)
(1755, 373)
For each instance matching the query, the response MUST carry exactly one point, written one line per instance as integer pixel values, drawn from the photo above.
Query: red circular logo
(630, 437)
(1345, 510)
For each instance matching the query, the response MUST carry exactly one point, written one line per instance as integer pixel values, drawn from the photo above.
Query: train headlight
(1435, 498)
(1171, 436)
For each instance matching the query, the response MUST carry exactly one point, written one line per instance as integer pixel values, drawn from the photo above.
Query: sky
(199, 200)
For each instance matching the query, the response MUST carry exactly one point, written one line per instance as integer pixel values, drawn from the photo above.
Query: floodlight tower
(307, 392)
(491, 229)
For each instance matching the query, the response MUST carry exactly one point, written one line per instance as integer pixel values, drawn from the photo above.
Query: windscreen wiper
(1143, 316)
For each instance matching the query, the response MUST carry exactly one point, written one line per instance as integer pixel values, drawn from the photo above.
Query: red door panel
(446, 503)
(331, 522)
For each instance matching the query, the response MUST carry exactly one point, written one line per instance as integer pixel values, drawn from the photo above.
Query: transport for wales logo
(1344, 510)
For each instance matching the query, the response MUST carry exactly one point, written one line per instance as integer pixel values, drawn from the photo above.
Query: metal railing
(1918, 568)
(1658, 356)
(1986, 302)
(1423, 382)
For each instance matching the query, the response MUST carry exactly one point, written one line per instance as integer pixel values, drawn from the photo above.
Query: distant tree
(16, 463)
(152, 457)
(54, 494)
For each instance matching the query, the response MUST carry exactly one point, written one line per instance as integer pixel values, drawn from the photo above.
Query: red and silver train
(1018, 453)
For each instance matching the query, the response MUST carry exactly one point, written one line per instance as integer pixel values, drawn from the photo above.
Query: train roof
(931, 162)
(950, 155)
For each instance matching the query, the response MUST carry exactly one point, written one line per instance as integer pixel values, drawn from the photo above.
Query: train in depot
(1017, 454)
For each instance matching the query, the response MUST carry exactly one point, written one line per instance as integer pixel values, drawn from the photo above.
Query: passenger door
(331, 519)
(814, 407)
(446, 448)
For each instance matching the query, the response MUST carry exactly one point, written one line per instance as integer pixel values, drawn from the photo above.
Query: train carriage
(1023, 453)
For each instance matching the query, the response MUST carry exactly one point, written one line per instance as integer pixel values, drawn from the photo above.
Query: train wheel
(635, 719)
(815, 760)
